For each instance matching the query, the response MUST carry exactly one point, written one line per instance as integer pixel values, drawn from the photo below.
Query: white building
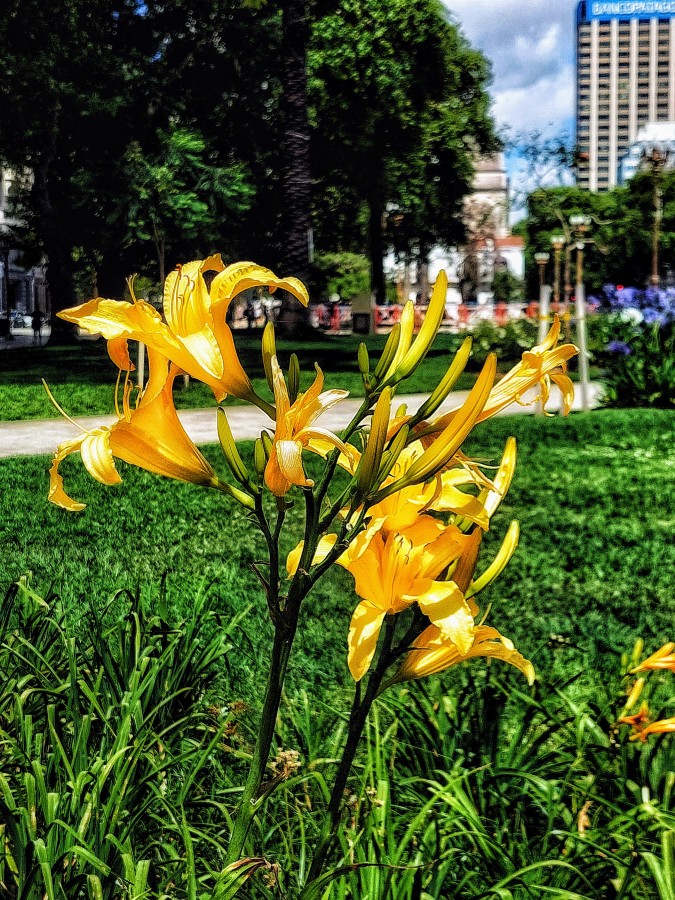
(658, 136)
(625, 79)
(490, 245)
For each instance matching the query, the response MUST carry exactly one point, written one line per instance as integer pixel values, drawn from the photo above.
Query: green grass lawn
(82, 377)
(593, 493)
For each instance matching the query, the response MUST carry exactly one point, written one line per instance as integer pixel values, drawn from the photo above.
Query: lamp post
(580, 225)
(557, 242)
(657, 159)
(544, 294)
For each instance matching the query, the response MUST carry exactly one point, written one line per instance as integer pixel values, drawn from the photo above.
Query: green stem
(357, 721)
(281, 651)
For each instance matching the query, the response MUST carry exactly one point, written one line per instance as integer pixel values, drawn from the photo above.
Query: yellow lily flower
(541, 365)
(433, 652)
(395, 571)
(195, 334)
(294, 430)
(149, 436)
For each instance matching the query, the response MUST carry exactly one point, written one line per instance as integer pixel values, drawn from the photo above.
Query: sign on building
(631, 9)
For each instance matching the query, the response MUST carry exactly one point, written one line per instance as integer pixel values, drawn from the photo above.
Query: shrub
(102, 734)
(638, 350)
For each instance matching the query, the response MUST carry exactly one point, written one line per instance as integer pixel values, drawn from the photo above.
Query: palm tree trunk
(296, 216)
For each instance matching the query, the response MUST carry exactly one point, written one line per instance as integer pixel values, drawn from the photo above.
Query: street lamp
(580, 225)
(557, 242)
(657, 158)
(544, 294)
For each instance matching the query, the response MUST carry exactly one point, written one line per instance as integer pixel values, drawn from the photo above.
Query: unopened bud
(230, 451)
(293, 378)
(269, 349)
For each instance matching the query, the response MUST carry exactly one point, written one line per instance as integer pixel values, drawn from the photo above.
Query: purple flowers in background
(654, 306)
(619, 347)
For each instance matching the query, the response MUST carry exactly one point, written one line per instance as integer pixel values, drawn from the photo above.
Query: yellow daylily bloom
(195, 334)
(294, 430)
(391, 573)
(539, 366)
(433, 652)
(149, 436)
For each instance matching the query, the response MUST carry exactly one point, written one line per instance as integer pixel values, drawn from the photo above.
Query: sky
(531, 46)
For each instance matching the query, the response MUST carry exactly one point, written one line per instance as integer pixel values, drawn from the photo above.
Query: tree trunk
(423, 273)
(296, 217)
(59, 260)
(375, 242)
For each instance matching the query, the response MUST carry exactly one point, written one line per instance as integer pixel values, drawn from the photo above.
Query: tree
(622, 228)
(396, 94)
(177, 195)
(65, 68)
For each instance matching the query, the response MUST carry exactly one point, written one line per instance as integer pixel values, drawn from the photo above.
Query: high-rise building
(625, 78)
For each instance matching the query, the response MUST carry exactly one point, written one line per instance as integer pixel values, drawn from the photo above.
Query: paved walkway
(40, 436)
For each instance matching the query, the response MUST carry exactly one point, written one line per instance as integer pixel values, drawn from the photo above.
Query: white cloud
(531, 47)
(530, 44)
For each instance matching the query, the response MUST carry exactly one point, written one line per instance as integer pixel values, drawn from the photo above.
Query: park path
(41, 436)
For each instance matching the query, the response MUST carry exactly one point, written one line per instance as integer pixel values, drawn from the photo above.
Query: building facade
(21, 289)
(625, 78)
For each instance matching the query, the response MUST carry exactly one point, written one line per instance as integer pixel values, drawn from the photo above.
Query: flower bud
(230, 451)
(372, 455)
(364, 360)
(388, 353)
(269, 350)
(427, 333)
(446, 383)
(499, 563)
(260, 459)
(293, 378)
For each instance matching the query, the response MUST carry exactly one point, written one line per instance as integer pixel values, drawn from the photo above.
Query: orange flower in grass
(663, 726)
(664, 658)
(194, 333)
(149, 436)
(295, 430)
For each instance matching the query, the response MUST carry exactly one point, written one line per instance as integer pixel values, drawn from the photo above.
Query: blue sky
(531, 47)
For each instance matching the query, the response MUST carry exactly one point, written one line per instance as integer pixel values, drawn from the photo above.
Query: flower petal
(444, 604)
(57, 494)
(364, 631)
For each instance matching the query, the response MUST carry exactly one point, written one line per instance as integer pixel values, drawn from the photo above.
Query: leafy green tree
(65, 68)
(398, 103)
(177, 195)
(621, 226)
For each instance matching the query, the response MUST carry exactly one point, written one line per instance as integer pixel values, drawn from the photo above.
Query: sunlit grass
(593, 493)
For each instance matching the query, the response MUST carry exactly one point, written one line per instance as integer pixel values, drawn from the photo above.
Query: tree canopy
(155, 130)
(622, 222)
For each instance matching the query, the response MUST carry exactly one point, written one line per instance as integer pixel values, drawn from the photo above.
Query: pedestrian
(36, 322)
